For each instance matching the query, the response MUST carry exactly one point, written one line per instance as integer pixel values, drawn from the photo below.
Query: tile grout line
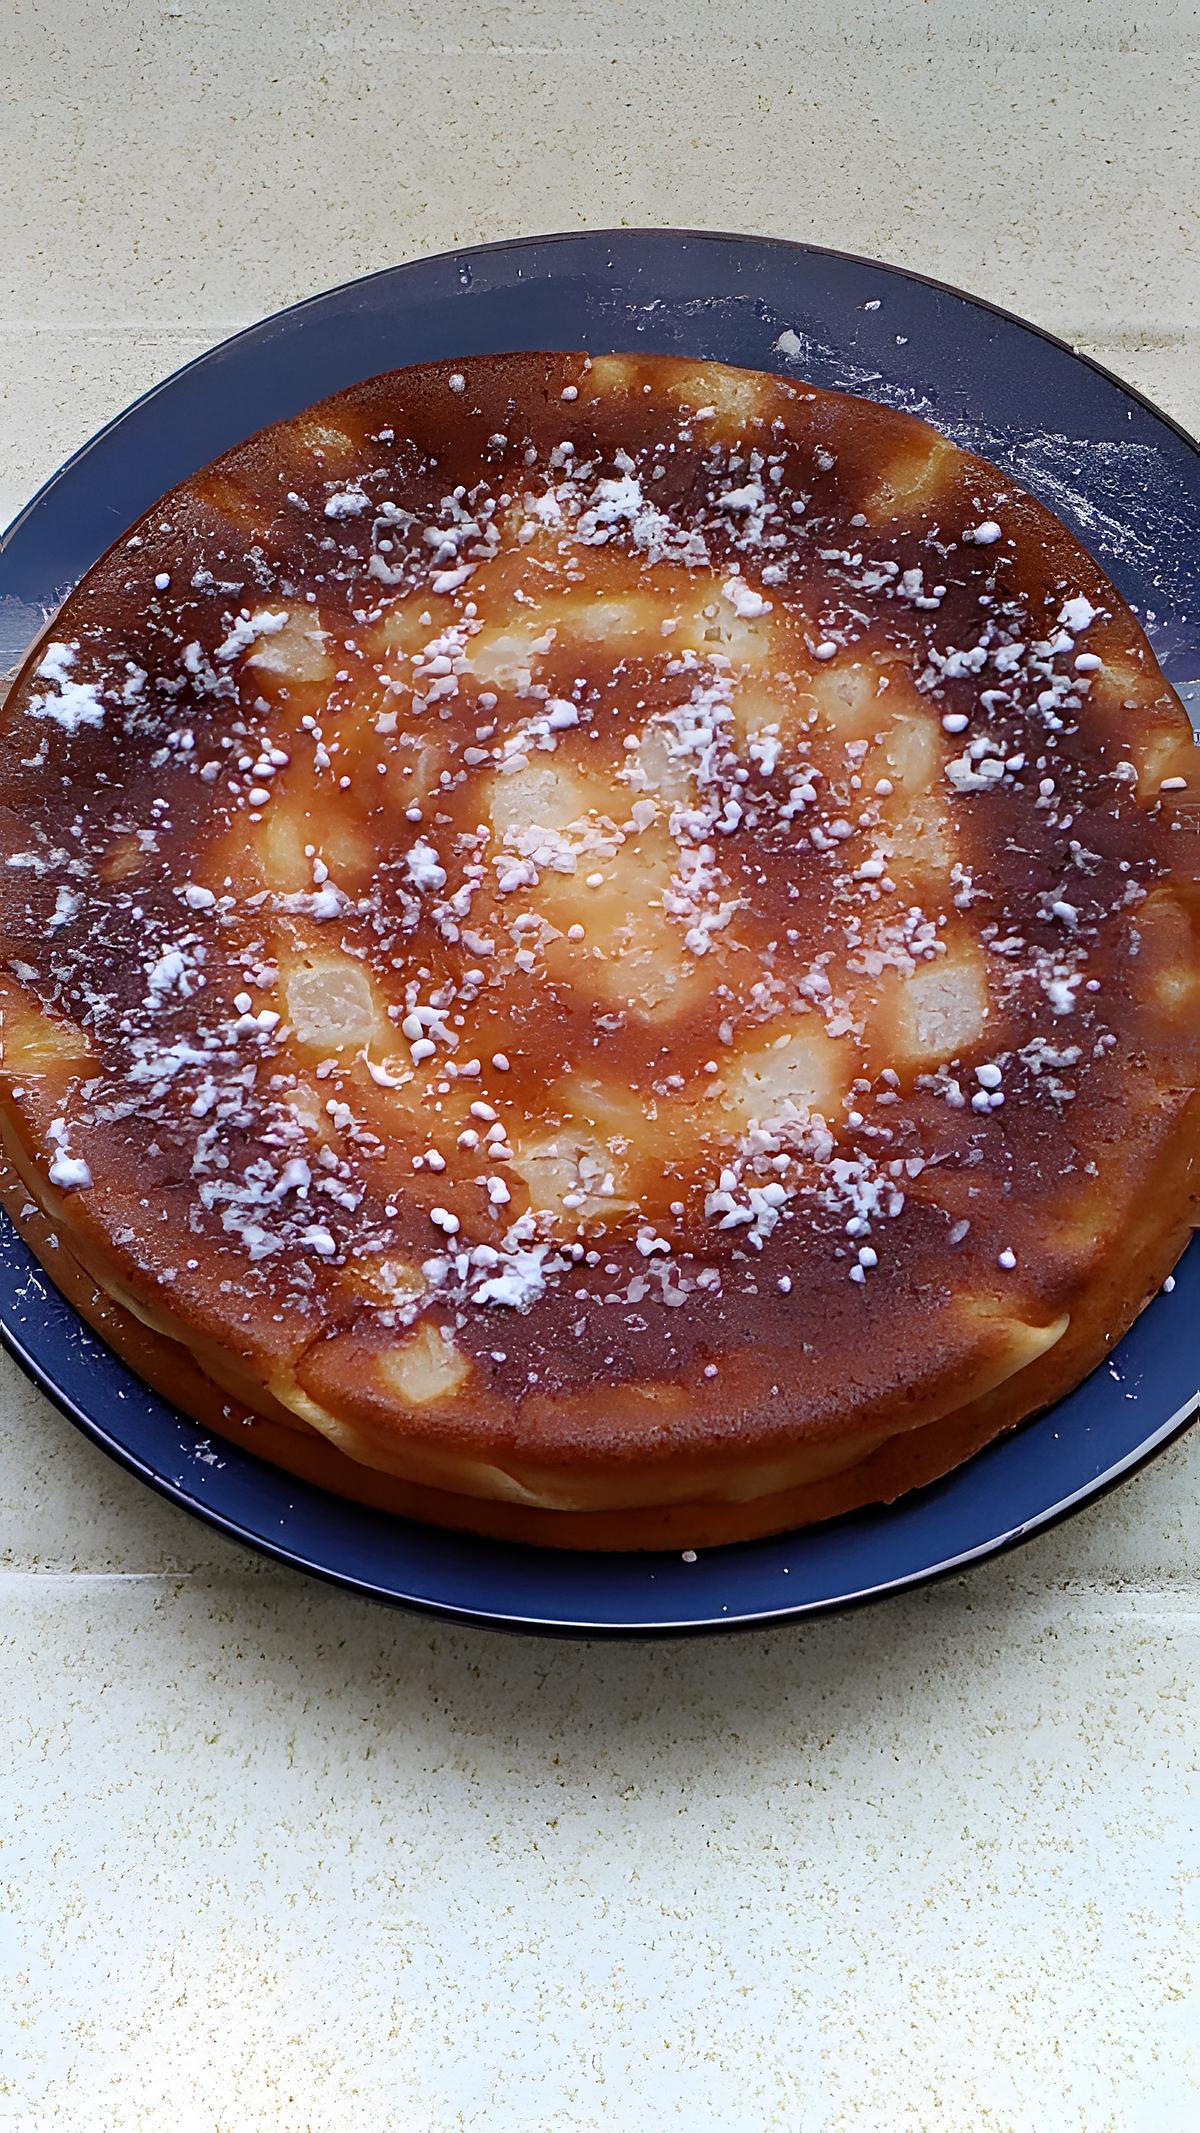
(126, 325)
(1147, 339)
(1149, 1602)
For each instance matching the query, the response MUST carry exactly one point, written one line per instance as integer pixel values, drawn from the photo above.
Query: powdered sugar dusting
(600, 887)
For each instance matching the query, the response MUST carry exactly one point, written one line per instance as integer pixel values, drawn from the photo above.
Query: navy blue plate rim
(500, 247)
(761, 1619)
(36, 1355)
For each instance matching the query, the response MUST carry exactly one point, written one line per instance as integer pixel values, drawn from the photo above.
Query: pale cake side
(608, 948)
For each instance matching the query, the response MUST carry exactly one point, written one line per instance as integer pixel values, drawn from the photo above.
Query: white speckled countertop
(272, 1859)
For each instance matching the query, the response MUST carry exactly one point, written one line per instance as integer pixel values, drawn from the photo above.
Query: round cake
(601, 951)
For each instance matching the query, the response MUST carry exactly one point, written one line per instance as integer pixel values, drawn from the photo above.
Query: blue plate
(1123, 477)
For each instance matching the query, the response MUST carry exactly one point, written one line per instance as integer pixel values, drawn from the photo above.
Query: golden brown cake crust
(904, 1462)
(610, 948)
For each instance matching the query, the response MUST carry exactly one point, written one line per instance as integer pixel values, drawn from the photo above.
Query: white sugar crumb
(1078, 614)
(984, 534)
(456, 382)
(56, 662)
(1007, 1259)
(169, 973)
(71, 704)
(789, 344)
(247, 628)
(69, 1172)
(423, 867)
(448, 581)
(67, 903)
(745, 602)
(1060, 989)
(747, 497)
(347, 503)
(519, 1278)
(689, 1555)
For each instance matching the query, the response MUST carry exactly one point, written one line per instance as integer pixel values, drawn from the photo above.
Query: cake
(602, 952)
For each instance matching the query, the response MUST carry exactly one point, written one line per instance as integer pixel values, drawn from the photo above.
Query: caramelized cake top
(581, 898)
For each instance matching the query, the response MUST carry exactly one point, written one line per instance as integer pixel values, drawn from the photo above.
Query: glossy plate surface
(1122, 477)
